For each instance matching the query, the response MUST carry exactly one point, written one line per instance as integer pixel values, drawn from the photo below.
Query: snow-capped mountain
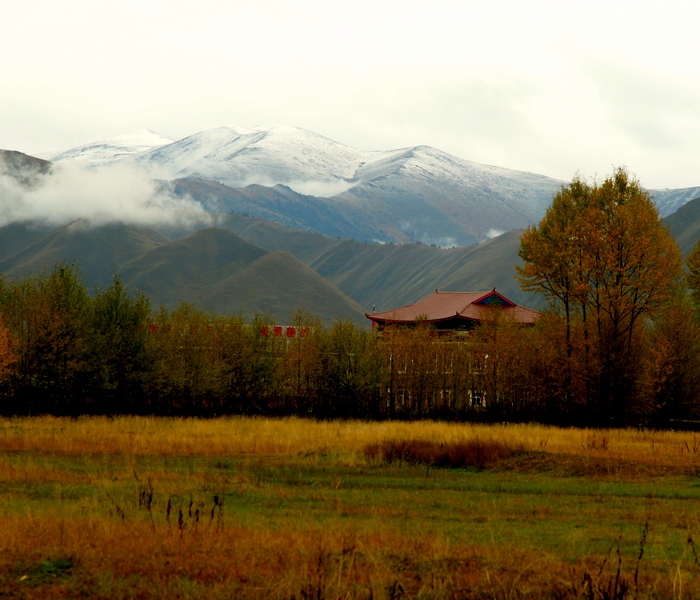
(669, 201)
(237, 157)
(476, 197)
(410, 194)
(114, 148)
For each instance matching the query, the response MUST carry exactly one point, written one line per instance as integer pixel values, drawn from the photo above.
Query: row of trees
(619, 344)
(66, 352)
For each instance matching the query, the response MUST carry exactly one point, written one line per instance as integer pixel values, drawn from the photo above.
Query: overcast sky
(549, 87)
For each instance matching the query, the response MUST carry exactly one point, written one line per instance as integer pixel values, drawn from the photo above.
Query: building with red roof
(454, 311)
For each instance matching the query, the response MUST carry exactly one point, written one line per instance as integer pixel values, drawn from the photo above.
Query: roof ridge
(477, 292)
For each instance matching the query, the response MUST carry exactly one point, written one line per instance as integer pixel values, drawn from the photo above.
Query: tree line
(66, 351)
(618, 345)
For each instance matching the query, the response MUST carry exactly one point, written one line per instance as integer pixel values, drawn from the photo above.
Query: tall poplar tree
(602, 256)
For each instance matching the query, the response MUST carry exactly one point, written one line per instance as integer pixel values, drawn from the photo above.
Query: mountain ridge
(410, 194)
(413, 194)
(114, 148)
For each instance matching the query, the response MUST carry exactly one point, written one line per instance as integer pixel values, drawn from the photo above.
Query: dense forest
(619, 344)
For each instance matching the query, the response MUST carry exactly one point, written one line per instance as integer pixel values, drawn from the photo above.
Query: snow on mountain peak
(315, 165)
(406, 194)
(115, 148)
(237, 157)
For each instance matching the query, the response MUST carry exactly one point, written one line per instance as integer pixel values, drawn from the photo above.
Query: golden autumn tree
(601, 256)
(413, 366)
(48, 317)
(186, 363)
(553, 255)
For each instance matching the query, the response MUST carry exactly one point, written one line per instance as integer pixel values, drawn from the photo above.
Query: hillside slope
(389, 275)
(279, 284)
(113, 149)
(684, 225)
(99, 252)
(185, 270)
(23, 168)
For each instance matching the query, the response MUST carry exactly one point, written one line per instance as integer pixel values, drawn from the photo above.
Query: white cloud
(99, 196)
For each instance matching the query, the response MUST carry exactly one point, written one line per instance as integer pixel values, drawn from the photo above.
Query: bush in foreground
(455, 455)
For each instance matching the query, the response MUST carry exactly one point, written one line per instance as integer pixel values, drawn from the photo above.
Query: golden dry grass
(111, 559)
(128, 505)
(241, 561)
(151, 436)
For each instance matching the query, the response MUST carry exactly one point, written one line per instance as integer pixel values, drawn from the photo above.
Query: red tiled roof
(442, 306)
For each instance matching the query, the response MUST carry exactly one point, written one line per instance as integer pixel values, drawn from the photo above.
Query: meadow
(138, 507)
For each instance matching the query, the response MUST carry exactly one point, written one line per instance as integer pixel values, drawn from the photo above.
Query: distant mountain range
(302, 222)
(255, 266)
(302, 179)
(222, 268)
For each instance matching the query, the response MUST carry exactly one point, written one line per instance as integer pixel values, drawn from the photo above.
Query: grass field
(261, 508)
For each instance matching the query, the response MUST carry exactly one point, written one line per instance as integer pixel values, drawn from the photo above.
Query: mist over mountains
(273, 219)
(32, 189)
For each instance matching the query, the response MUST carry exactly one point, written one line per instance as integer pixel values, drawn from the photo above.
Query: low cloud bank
(320, 189)
(109, 194)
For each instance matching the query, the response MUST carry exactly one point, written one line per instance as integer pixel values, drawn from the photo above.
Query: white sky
(546, 86)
